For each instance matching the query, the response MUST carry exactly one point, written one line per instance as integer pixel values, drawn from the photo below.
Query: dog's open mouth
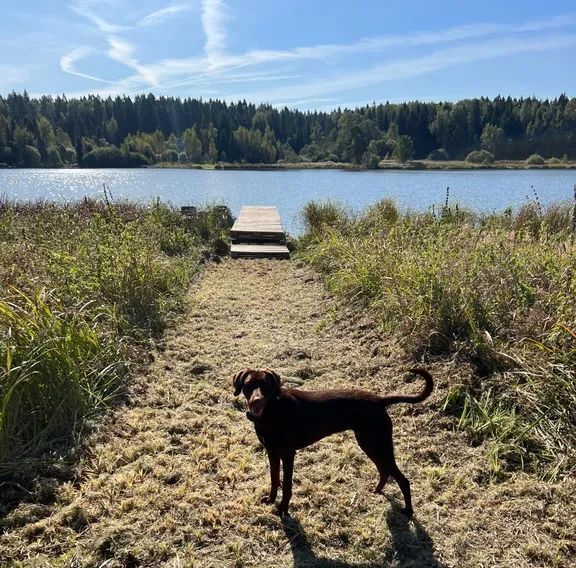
(257, 408)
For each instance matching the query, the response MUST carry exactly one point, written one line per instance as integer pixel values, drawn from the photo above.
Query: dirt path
(175, 478)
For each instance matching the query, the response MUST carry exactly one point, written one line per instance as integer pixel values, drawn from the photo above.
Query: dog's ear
(274, 381)
(239, 379)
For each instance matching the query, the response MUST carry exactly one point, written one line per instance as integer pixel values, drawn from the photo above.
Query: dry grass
(174, 479)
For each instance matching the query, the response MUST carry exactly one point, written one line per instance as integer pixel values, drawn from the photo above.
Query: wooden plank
(257, 220)
(258, 233)
(259, 251)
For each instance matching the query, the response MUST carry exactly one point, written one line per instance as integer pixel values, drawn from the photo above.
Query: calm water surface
(289, 190)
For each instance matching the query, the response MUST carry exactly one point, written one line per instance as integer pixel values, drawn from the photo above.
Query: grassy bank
(552, 164)
(495, 292)
(83, 288)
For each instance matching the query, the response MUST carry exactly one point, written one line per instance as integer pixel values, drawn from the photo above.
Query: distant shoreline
(413, 165)
(384, 165)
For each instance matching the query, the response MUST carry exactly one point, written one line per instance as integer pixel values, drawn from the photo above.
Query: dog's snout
(256, 402)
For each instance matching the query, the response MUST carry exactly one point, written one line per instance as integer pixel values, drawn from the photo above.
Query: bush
(554, 161)
(54, 160)
(480, 157)
(113, 157)
(439, 155)
(370, 161)
(320, 216)
(182, 158)
(169, 156)
(31, 157)
(382, 214)
(535, 160)
(67, 154)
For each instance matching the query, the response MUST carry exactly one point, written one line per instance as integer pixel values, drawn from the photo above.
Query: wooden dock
(258, 233)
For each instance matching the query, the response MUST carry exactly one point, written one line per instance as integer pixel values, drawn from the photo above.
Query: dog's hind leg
(378, 447)
(374, 451)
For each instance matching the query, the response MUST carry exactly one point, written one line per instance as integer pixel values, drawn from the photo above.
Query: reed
(84, 286)
(484, 289)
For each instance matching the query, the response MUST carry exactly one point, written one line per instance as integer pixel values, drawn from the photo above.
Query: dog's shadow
(410, 545)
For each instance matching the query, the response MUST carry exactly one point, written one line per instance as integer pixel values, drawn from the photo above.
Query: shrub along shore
(84, 287)
(493, 292)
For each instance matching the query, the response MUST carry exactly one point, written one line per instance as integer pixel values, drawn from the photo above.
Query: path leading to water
(174, 479)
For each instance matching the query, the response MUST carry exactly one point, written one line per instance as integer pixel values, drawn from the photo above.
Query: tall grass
(59, 369)
(81, 286)
(485, 289)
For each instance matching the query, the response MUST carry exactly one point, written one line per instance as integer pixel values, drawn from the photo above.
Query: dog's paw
(407, 512)
(267, 499)
(282, 510)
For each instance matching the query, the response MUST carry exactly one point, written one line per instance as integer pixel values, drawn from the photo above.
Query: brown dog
(287, 420)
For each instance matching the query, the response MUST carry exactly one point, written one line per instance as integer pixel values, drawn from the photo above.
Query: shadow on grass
(410, 545)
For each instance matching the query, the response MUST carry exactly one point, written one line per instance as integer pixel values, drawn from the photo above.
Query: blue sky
(309, 54)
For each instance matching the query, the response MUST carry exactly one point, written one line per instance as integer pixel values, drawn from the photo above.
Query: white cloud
(67, 63)
(215, 69)
(413, 67)
(214, 15)
(163, 14)
(123, 52)
(82, 8)
(217, 64)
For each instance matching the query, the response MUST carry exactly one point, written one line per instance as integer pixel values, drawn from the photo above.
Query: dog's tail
(423, 395)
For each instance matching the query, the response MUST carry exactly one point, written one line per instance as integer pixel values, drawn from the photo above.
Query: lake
(289, 190)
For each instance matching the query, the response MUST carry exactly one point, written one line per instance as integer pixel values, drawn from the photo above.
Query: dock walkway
(258, 233)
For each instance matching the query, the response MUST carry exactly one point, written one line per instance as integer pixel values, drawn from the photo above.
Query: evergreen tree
(242, 132)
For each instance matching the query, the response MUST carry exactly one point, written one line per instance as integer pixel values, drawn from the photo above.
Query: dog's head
(259, 386)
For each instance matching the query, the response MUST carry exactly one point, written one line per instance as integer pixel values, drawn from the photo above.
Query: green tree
(23, 138)
(404, 148)
(112, 130)
(5, 134)
(493, 139)
(192, 145)
(31, 157)
(212, 148)
(269, 149)
(172, 142)
(5, 137)
(158, 142)
(54, 160)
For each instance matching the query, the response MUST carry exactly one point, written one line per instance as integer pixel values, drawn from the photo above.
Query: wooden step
(257, 223)
(259, 251)
(258, 233)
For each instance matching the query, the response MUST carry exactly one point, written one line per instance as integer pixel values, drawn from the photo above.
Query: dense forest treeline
(93, 131)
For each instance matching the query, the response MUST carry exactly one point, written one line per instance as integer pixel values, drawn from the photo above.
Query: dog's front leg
(274, 460)
(288, 469)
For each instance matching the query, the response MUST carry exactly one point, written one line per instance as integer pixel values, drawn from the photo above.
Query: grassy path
(174, 479)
